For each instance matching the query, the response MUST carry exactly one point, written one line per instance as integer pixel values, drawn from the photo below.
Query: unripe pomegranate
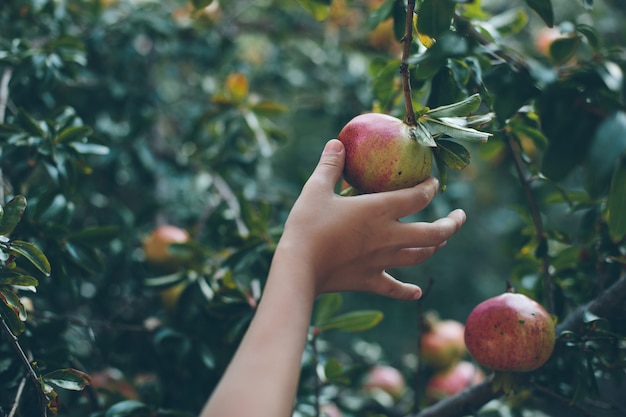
(382, 154)
(156, 246)
(453, 380)
(385, 378)
(443, 344)
(510, 332)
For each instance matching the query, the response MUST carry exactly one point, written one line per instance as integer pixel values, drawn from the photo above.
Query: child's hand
(347, 243)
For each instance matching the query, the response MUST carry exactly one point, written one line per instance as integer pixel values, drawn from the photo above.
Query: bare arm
(330, 244)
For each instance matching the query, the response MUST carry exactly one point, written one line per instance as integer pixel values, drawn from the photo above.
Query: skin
(329, 244)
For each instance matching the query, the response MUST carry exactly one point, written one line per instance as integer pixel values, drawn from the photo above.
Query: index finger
(407, 201)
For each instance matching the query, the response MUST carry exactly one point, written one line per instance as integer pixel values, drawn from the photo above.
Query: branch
(609, 303)
(542, 240)
(407, 40)
(26, 362)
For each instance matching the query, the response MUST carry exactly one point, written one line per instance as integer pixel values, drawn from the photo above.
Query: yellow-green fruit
(382, 154)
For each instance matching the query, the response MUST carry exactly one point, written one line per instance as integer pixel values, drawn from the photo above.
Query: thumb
(330, 165)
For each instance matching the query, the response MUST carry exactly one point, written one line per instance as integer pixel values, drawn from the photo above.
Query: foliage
(120, 115)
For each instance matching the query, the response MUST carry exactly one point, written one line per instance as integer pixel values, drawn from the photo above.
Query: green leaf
(442, 168)
(562, 49)
(12, 310)
(422, 135)
(15, 278)
(450, 128)
(435, 17)
(608, 143)
(568, 122)
(89, 148)
(201, 4)
(334, 372)
(32, 253)
(319, 9)
(327, 307)
(379, 15)
(13, 211)
(68, 378)
(544, 9)
(352, 322)
(129, 408)
(73, 133)
(95, 235)
(511, 88)
(461, 108)
(452, 154)
(30, 124)
(617, 202)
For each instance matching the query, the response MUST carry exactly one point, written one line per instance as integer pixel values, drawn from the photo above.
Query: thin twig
(18, 396)
(542, 240)
(407, 40)
(418, 383)
(26, 362)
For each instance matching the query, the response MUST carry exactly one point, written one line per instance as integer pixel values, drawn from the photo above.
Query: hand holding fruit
(349, 242)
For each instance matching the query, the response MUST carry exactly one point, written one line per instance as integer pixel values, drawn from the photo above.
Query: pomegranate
(510, 332)
(443, 344)
(156, 246)
(385, 378)
(382, 154)
(453, 380)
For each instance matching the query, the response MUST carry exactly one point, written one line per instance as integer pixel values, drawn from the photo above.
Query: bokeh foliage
(120, 115)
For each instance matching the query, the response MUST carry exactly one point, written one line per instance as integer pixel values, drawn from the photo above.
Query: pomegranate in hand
(382, 154)
(510, 332)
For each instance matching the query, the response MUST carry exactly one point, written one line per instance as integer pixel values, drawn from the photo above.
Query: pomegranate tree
(510, 332)
(382, 154)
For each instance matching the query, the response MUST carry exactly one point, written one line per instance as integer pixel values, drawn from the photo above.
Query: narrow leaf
(353, 322)
(12, 311)
(544, 9)
(15, 278)
(435, 17)
(73, 133)
(129, 408)
(32, 253)
(319, 9)
(562, 49)
(327, 307)
(13, 211)
(439, 127)
(453, 155)
(462, 108)
(422, 135)
(68, 378)
(90, 148)
(30, 124)
(617, 202)
(380, 14)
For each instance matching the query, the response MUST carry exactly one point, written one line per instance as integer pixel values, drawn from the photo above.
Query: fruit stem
(407, 40)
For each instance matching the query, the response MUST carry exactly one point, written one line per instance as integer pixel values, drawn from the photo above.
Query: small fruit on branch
(510, 332)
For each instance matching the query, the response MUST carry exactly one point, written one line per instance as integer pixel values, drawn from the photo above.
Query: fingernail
(333, 146)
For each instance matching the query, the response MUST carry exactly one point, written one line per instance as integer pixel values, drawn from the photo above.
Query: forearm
(262, 378)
